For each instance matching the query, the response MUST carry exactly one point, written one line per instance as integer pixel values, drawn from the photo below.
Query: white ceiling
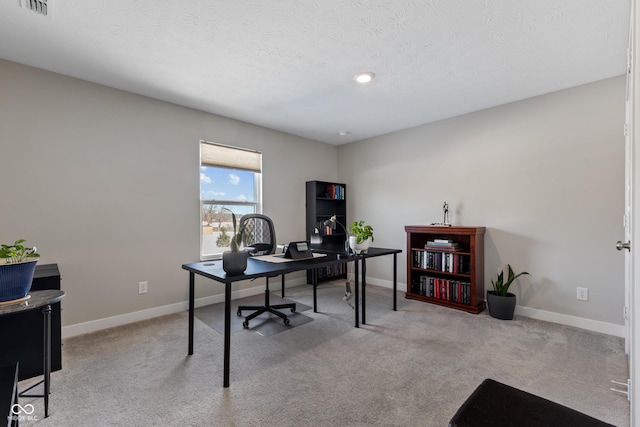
(289, 64)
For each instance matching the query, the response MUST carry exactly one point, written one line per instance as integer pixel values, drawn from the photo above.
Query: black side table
(8, 393)
(43, 300)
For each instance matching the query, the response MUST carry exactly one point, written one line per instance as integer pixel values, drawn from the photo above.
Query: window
(230, 178)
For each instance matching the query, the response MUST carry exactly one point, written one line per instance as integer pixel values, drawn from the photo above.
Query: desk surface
(38, 299)
(257, 268)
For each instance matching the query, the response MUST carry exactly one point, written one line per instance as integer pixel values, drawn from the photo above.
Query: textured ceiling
(289, 64)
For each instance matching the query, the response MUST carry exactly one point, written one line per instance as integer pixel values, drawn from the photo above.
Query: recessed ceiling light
(344, 133)
(365, 77)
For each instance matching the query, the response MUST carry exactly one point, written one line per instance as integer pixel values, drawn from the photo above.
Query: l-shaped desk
(256, 268)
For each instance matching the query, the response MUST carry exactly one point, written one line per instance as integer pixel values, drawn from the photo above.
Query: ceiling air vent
(38, 6)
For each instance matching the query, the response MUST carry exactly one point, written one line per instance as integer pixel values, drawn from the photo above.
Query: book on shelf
(327, 230)
(457, 291)
(442, 243)
(331, 271)
(335, 191)
(444, 248)
(441, 261)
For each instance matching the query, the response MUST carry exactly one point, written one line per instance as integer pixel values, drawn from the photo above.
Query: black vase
(234, 262)
(501, 307)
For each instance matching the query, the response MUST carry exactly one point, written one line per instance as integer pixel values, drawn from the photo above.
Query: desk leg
(227, 332)
(364, 290)
(283, 286)
(191, 309)
(395, 281)
(46, 311)
(314, 282)
(356, 272)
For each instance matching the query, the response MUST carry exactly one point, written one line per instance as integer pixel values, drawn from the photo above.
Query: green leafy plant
(236, 239)
(500, 286)
(361, 231)
(223, 239)
(17, 252)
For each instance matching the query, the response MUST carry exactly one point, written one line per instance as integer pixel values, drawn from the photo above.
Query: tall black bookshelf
(323, 200)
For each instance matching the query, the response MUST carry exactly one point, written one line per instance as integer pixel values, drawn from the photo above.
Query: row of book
(447, 245)
(332, 270)
(326, 230)
(441, 261)
(445, 289)
(335, 191)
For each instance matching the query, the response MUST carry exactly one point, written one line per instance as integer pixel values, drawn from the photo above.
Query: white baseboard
(547, 316)
(110, 322)
(577, 322)
(137, 316)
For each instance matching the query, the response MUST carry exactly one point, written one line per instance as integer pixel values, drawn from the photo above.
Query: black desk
(256, 268)
(39, 299)
(371, 253)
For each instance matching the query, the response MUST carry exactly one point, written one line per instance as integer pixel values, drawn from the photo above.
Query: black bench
(494, 404)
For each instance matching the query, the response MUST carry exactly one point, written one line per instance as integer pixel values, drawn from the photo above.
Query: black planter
(234, 262)
(501, 307)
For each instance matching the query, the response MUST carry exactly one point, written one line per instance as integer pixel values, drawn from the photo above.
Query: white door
(632, 234)
(625, 245)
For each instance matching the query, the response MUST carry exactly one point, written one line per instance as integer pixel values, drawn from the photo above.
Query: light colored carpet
(266, 324)
(413, 367)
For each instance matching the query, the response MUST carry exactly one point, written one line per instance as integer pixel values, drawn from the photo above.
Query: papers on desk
(278, 258)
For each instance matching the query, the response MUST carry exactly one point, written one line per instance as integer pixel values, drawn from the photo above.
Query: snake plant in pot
(234, 261)
(17, 265)
(502, 303)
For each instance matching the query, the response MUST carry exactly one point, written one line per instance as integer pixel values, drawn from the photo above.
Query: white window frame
(231, 158)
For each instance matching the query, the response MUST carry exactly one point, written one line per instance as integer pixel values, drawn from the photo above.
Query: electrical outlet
(582, 294)
(142, 288)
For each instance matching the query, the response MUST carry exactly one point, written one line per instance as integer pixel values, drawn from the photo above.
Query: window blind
(220, 155)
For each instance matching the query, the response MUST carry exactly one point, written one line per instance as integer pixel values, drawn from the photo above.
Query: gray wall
(544, 175)
(106, 184)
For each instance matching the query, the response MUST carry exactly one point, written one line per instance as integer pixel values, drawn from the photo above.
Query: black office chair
(260, 235)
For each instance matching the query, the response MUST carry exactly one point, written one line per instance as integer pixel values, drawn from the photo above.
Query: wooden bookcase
(323, 200)
(450, 273)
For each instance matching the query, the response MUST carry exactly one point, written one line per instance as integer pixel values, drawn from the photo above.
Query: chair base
(266, 308)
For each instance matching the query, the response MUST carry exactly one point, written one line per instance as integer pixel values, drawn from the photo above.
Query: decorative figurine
(445, 208)
(445, 222)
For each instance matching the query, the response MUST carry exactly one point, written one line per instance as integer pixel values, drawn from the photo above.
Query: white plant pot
(359, 247)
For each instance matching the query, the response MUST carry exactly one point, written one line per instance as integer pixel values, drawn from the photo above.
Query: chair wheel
(286, 322)
(293, 310)
(245, 324)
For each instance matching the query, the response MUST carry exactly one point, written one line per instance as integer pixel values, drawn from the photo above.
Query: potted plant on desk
(500, 301)
(234, 261)
(17, 265)
(361, 236)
